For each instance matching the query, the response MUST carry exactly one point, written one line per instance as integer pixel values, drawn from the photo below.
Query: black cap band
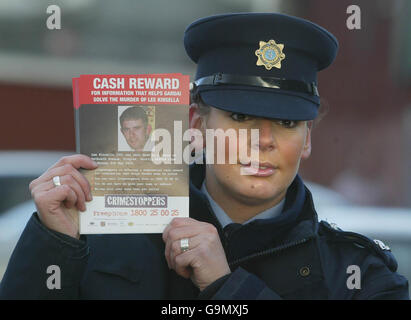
(264, 82)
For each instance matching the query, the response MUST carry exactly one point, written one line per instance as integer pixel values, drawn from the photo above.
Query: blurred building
(362, 148)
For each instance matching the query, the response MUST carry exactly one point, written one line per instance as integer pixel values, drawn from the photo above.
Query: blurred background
(360, 167)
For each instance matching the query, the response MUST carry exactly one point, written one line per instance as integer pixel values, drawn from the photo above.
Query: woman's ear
(196, 125)
(194, 117)
(307, 144)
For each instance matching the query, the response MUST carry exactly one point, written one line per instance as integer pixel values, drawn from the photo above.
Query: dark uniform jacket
(292, 256)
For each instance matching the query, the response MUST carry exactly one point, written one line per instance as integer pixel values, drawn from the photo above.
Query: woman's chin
(258, 195)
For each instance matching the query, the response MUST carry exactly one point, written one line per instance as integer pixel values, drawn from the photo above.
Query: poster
(137, 188)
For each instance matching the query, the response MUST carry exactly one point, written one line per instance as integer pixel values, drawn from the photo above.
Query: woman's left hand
(204, 261)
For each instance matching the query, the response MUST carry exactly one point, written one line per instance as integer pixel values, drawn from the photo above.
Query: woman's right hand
(58, 205)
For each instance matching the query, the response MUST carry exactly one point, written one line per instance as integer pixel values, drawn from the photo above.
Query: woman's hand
(57, 205)
(204, 261)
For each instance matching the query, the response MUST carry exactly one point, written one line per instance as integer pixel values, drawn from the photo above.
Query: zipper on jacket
(261, 253)
(269, 251)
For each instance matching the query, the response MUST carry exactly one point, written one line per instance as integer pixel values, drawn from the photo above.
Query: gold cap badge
(270, 54)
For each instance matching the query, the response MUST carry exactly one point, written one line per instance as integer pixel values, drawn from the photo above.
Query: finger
(52, 199)
(72, 179)
(172, 245)
(207, 237)
(175, 234)
(75, 161)
(176, 250)
(40, 187)
(72, 183)
(182, 265)
(173, 248)
(190, 227)
(71, 199)
(193, 242)
(178, 222)
(165, 232)
(68, 169)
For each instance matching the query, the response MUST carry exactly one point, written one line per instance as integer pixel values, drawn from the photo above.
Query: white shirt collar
(224, 219)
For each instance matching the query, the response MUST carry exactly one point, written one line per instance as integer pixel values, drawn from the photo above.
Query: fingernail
(95, 163)
(89, 197)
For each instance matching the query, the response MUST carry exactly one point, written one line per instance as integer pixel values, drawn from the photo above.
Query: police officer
(249, 236)
(259, 71)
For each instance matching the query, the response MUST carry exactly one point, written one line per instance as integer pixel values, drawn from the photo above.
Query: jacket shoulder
(358, 241)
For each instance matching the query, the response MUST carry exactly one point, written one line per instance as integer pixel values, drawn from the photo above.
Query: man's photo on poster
(135, 124)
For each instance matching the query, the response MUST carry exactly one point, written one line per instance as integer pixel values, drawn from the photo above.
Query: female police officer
(250, 236)
(259, 71)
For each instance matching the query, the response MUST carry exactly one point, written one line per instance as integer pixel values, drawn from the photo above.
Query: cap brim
(273, 104)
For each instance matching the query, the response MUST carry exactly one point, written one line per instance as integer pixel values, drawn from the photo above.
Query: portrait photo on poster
(135, 125)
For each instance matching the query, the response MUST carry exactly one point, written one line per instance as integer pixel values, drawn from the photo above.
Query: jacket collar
(297, 221)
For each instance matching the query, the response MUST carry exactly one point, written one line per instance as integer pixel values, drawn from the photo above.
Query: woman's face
(282, 144)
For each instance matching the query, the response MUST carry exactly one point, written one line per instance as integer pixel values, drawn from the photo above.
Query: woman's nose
(266, 136)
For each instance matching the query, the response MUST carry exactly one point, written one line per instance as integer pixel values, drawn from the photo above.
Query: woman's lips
(263, 169)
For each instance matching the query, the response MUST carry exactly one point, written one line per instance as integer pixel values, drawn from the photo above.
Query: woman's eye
(288, 123)
(240, 117)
